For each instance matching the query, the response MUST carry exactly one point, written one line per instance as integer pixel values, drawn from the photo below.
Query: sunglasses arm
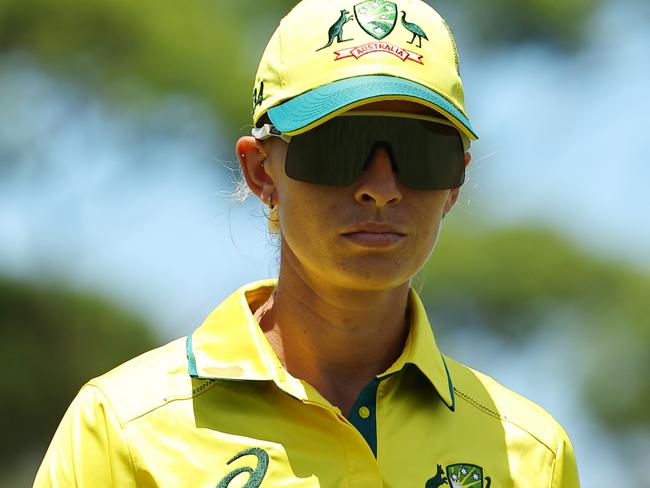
(267, 131)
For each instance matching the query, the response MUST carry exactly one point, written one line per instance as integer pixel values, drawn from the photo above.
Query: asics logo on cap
(258, 97)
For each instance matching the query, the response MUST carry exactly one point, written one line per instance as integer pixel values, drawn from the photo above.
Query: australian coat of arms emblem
(462, 475)
(376, 17)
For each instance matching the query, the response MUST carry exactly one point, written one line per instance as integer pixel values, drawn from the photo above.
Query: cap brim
(316, 106)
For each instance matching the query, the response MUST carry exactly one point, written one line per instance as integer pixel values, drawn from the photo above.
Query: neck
(334, 338)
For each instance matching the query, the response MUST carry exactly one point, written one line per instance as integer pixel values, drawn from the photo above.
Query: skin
(338, 315)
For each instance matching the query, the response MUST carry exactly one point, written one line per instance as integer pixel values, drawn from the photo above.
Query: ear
(252, 158)
(455, 192)
(451, 200)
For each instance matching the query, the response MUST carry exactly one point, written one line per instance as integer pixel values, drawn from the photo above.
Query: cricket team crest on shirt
(460, 475)
(378, 18)
(467, 476)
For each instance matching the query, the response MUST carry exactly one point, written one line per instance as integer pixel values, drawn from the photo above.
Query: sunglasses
(426, 153)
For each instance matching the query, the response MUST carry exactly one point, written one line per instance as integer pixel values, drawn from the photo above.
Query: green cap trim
(322, 103)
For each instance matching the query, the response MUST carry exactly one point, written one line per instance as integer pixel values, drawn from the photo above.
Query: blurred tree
(515, 280)
(137, 51)
(562, 25)
(209, 49)
(53, 341)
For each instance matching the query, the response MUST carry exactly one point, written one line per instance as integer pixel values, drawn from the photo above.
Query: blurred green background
(117, 231)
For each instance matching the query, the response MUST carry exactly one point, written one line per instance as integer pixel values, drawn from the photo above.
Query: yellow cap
(329, 56)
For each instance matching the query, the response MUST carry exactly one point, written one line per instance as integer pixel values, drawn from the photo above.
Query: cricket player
(329, 375)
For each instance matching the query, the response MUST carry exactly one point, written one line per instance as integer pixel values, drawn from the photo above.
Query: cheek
(422, 247)
(431, 238)
(304, 222)
(428, 222)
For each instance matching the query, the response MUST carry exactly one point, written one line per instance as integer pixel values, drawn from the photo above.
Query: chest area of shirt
(242, 437)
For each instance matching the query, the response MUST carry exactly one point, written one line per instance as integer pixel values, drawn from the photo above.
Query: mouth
(375, 235)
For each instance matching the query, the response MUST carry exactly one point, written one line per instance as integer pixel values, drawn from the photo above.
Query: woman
(329, 375)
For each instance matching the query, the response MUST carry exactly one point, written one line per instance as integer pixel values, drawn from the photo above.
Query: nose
(378, 182)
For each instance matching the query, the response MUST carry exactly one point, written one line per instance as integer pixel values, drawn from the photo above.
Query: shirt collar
(229, 345)
(422, 351)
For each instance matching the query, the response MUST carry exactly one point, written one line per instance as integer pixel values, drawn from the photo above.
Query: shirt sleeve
(89, 448)
(565, 473)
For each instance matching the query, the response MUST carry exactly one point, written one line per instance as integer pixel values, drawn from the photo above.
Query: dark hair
(264, 119)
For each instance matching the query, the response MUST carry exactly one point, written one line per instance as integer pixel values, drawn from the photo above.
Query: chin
(373, 279)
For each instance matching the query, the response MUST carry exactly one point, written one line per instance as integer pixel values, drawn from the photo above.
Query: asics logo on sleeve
(256, 475)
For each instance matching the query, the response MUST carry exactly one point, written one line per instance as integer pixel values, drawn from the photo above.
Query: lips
(376, 228)
(375, 234)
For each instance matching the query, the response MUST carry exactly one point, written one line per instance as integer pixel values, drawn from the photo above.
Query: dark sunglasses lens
(428, 156)
(327, 155)
(432, 158)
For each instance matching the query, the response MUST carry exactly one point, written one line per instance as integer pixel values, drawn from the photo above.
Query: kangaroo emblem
(438, 480)
(336, 31)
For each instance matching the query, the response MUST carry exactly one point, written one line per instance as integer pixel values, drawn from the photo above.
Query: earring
(271, 206)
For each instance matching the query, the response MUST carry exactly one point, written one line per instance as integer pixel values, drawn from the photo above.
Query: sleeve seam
(503, 418)
(557, 452)
(123, 435)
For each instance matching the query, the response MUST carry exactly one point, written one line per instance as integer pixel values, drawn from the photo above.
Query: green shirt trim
(367, 427)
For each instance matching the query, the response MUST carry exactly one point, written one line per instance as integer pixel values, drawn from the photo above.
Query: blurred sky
(564, 139)
(138, 206)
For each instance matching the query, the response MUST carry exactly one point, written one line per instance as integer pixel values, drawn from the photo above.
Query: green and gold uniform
(218, 409)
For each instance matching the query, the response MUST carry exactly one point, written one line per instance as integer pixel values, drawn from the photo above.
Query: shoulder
(147, 382)
(481, 396)
(92, 445)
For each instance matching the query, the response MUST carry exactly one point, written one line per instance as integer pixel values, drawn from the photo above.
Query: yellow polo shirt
(217, 409)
